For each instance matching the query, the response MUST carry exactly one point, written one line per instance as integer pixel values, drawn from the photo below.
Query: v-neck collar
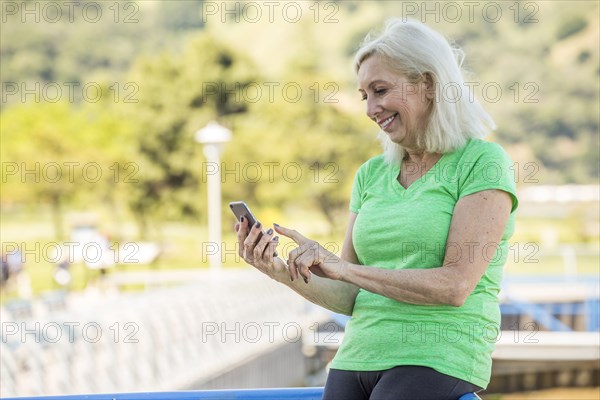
(395, 172)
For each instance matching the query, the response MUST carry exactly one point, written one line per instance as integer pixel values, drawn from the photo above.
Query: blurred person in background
(4, 271)
(14, 275)
(62, 273)
(426, 242)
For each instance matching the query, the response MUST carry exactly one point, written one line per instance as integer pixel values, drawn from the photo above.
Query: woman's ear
(429, 85)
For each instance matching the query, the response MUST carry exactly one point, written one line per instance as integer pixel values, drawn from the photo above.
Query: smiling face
(400, 107)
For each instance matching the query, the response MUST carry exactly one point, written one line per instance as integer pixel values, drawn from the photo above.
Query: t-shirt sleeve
(488, 167)
(358, 187)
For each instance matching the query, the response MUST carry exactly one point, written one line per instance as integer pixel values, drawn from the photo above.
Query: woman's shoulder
(373, 164)
(476, 149)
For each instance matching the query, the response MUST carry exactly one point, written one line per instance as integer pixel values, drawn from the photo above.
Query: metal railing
(313, 393)
(237, 394)
(553, 302)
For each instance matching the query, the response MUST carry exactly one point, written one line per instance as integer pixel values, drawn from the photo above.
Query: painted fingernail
(276, 224)
(270, 231)
(305, 280)
(241, 219)
(258, 224)
(276, 239)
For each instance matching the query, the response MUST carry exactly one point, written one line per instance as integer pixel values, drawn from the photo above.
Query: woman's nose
(373, 109)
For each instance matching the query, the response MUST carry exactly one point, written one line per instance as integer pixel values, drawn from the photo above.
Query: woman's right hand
(260, 254)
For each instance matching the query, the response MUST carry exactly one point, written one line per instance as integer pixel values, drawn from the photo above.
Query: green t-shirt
(399, 228)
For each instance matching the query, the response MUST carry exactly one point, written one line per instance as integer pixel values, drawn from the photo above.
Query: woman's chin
(396, 137)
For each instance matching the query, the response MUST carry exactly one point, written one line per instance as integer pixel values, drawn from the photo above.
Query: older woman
(422, 260)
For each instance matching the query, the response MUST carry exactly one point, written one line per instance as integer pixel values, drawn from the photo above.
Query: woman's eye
(377, 92)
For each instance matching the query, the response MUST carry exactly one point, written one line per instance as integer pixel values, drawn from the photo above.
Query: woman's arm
(333, 295)
(336, 296)
(477, 220)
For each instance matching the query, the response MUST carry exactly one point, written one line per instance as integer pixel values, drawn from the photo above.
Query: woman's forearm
(432, 286)
(336, 296)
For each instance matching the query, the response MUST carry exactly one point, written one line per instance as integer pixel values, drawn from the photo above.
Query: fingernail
(276, 239)
(242, 219)
(258, 224)
(276, 224)
(305, 280)
(270, 231)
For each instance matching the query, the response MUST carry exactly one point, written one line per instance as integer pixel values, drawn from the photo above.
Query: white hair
(416, 51)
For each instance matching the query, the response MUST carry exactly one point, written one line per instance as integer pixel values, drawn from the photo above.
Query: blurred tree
(178, 95)
(61, 155)
(53, 45)
(312, 145)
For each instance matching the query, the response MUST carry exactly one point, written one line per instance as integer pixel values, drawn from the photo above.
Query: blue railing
(314, 393)
(237, 394)
(547, 313)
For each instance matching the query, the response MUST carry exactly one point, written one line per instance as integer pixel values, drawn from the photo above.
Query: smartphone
(240, 209)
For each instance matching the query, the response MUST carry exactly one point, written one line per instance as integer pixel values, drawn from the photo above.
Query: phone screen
(240, 209)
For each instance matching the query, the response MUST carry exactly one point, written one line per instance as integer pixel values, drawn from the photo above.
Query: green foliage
(35, 48)
(180, 94)
(60, 154)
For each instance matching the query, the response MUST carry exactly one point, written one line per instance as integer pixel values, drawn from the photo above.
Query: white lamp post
(213, 137)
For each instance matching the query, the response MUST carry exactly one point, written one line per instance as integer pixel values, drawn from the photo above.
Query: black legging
(399, 383)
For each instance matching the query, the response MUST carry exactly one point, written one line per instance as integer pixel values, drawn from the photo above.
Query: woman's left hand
(310, 256)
